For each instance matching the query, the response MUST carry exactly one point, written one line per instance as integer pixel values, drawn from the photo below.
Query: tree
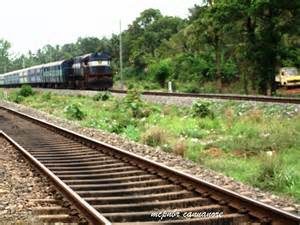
(210, 30)
(146, 34)
(261, 26)
(4, 56)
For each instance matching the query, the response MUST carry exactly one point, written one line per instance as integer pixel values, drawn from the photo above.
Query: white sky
(31, 24)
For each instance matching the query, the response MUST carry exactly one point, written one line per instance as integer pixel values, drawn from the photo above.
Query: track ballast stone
(18, 186)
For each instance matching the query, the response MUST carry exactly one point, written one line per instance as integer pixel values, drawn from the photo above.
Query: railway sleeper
(94, 171)
(131, 191)
(105, 176)
(113, 180)
(228, 219)
(138, 198)
(53, 156)
(48, 164)
(111, 186)
(69, 154)
(78, 168)
(172, 201)
(72, 160)
(146, 215)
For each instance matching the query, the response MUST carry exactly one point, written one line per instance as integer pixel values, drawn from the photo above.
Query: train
(91, 71)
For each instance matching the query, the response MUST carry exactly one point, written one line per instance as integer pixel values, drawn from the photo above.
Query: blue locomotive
(90, 71)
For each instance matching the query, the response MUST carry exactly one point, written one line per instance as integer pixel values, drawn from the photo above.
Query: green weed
(273, 175)
(26, 91)
(202, 109)
(46, 96)
(103, 96)
(74, 111)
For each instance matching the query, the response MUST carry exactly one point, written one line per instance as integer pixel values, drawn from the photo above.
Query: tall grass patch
(155, 136)
(74, 111)
(273, 174)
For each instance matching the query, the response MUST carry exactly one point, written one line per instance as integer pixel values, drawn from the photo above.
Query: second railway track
(234, 97)
(112, 186)
(255, 98)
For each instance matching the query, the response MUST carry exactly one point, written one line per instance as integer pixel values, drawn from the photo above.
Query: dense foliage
(223, 42)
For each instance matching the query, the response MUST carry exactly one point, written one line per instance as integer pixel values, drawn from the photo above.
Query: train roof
(96, 56)
(12, 72)
(57, 63)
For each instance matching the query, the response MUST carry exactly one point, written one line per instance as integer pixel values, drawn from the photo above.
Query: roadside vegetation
(254, 143)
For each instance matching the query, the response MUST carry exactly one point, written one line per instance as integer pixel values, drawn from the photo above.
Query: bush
(15, 97)
(134, 103)
(190, 88)
(273, 175)
(73, 111)
(160, 71)
(19, 96)
(26, 91)
(102, 96)
(202, 109)
(155, 136)
(180, 147)
(120, 121)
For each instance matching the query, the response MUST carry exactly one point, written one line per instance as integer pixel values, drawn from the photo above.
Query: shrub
(160, 71)
(15, 97)
(120, 121)
(155, 136)
(74, 111)
(180, 147)
(19, 96)
(26, 91)
(202, 109)
(191, 87)
(102, 96)
(273, 175)
(134, 103)
(133, 95)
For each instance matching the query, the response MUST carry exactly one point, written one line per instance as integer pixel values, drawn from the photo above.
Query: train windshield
(99, 63)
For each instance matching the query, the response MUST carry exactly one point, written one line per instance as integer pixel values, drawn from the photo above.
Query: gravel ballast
(18, 186)
(169, 159)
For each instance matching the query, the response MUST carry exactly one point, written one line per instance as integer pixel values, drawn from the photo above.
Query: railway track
(109, 185)
(257, 98)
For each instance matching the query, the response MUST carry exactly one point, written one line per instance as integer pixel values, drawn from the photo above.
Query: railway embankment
(252, 143)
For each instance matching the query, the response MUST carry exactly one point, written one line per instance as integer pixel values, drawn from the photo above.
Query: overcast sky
(31, 24)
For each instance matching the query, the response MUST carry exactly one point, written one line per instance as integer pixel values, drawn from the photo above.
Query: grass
(235, 138)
